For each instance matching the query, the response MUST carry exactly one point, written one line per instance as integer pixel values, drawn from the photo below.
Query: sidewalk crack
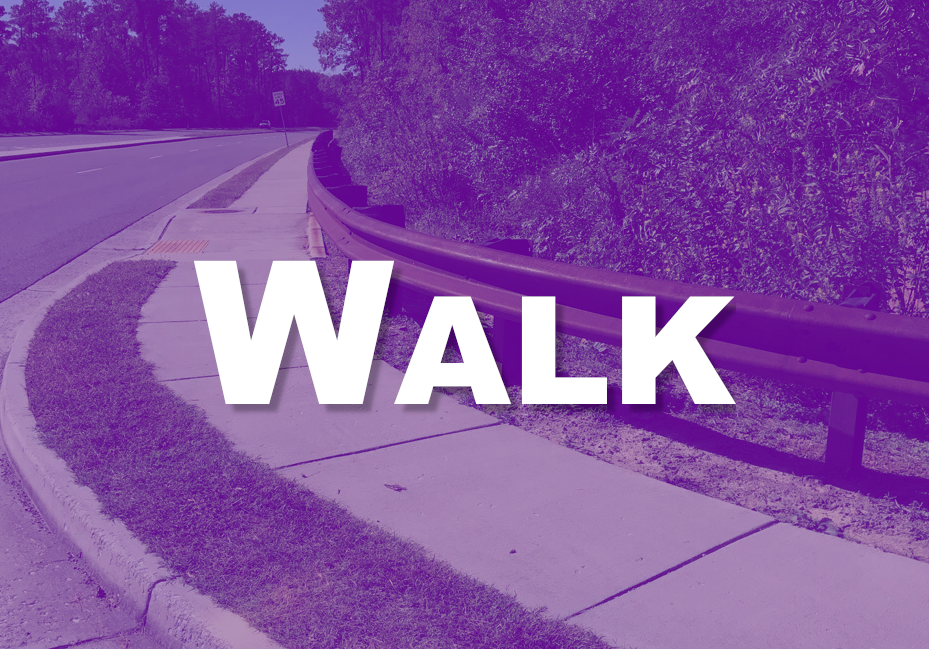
(675, 568)
(138, 628)
(377, 448)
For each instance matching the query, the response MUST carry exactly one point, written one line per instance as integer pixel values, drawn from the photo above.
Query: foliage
(145, 63)
(772, 147)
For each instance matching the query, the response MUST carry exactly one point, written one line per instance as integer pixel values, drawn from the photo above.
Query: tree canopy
(149, 63)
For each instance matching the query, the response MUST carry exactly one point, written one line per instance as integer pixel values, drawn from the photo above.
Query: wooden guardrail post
(403, 300)
(394, 304)
(845, 439)
(507, 346)
(351, 195)
(391, 214)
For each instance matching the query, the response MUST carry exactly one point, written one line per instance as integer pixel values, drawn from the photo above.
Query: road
(52, 210)
(18, 143)
(55, 208)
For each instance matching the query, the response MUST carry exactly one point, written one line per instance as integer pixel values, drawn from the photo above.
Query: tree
(359, 33)
(653, 136)
(122, 63)
(30, 87)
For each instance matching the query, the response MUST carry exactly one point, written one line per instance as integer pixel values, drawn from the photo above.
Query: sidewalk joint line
(675, 568)
(377, 448)
(190, 378)
(130, 631)
(148, 599)
(111, 636)
(167, 225)
(141, 322)
(216, 376)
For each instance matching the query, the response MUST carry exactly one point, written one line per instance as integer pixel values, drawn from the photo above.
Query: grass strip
(230, 191)
(298, 567)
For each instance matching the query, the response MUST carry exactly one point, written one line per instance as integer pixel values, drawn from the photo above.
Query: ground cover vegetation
(298, 567)
(776, 147)
(116, 64)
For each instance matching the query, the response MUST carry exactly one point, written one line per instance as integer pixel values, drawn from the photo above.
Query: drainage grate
(222, 211)
(183, 247)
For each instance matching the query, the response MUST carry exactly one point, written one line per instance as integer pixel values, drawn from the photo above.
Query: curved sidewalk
(641, 562)
(638, 561)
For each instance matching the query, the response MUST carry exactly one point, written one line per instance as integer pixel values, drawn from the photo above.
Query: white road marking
(87, 171)
(192, 150)
(154, 156)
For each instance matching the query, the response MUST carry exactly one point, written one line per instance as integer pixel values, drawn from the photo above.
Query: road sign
(278, 97)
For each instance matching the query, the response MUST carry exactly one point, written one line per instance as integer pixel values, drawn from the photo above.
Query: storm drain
(188, 247)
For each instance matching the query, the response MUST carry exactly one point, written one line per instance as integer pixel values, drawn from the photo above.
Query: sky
(297, 21)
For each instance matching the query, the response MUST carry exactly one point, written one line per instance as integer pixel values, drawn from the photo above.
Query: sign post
(278, 97)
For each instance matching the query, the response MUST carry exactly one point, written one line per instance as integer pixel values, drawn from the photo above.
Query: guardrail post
(392, 214)
(620, 410)
(351, 195)
(333, 178)
(845, 440)
(405, 300)
(394, 304)
(508, 349)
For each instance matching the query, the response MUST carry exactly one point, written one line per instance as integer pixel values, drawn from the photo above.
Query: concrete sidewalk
(641, 562)
(638, 561)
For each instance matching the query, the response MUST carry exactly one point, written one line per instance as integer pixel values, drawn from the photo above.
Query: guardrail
(853, 353)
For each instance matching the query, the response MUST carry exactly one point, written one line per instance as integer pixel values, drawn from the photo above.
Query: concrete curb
(176, 614)
(41, 153)
(70, 508)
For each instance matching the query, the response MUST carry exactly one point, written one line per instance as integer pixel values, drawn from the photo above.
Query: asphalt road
(55, 208)
(18, 143)
(50, 212)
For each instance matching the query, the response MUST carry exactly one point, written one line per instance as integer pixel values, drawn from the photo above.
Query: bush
(776, 149)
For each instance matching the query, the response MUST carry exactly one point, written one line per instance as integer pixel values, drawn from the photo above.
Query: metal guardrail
(853, 353)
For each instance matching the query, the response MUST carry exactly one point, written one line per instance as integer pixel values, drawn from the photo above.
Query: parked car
(265, 124)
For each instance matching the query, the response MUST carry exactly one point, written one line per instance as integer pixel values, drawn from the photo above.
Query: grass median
(231, 190)
(297, 566)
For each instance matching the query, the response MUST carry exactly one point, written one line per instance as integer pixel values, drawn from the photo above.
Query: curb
(176, 614)
(116, 145)
(163, 224)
